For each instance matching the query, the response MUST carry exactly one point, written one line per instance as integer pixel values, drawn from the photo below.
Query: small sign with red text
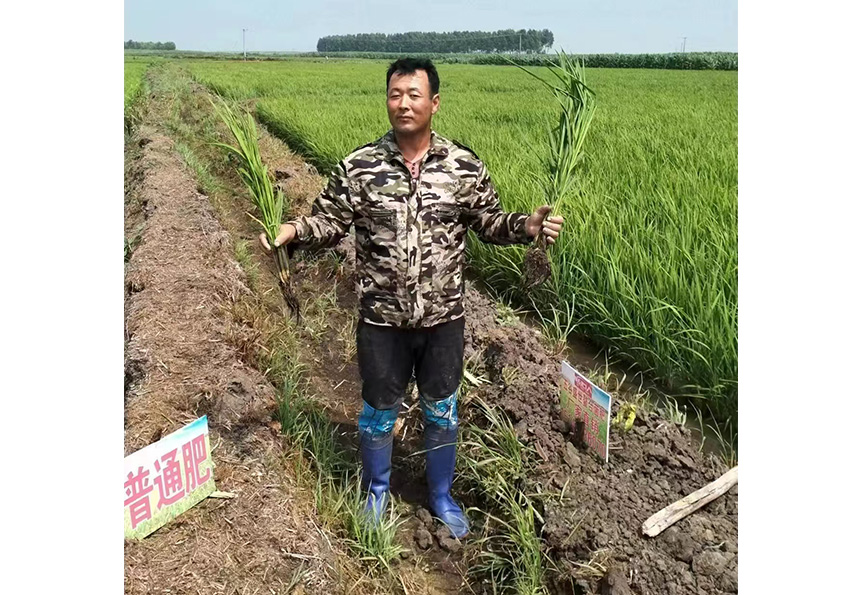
(167, 478)
(584, 401)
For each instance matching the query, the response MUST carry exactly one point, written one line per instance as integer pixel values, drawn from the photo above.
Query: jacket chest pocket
(442, 231)
(377, 252)
(375, 203)
(381, 226)
(382, 220)
(441, 221)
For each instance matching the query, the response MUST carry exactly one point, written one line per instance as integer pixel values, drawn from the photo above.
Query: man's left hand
(551, 225)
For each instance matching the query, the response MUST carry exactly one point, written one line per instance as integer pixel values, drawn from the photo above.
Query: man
(411, 196)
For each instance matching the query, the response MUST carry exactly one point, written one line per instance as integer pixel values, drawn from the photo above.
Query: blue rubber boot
(376, 452)
(440, 456)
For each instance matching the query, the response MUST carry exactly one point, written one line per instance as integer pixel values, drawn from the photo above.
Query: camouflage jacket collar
(387, 145)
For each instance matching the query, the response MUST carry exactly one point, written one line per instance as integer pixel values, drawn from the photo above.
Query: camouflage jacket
(410, 234)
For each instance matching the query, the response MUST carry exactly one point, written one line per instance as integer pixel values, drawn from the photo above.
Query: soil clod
(710, 562)
(571, 456)
(427, 520)
(446, 541)
(614, 582)
(681, 545)
(423, 538)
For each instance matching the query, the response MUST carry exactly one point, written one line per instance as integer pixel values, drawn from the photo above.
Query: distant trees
(505, 40)
(149, 45)
(672, 61)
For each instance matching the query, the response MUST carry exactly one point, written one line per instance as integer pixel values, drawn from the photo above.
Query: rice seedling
(207, 182)
(290, 415)
(492, 456)
(269, 201)
(340, 501)
(512, 558)
(728, 446)
(564, 150)
(510, 375)
(134, 90)
(300, 574)
(723, 438)
(670, 409)
(468, 383)
(593, 569)
(323, 445)
(606, 378)
(331, 499)
(472, 377)
(130, 246)
(558, 324)
(334, 480)
(348, 339)
(625, 418)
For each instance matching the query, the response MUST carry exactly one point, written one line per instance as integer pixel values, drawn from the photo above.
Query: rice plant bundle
(564, 149)
(269, 201)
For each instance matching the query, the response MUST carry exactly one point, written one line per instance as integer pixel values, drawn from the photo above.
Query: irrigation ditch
(207, 334)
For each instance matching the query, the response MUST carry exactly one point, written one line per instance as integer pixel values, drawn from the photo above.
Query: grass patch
(511, 556)
(374, 545)
(207, 182)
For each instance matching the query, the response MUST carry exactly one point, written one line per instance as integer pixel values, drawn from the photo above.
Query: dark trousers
(387, 357)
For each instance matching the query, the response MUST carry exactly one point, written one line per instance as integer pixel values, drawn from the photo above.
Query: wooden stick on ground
(694, 501)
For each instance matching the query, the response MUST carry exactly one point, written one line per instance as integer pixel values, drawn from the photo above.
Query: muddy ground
(652, 465)
(185, 357)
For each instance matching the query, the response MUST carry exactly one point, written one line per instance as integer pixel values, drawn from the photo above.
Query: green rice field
(648, 261)
(133, 73)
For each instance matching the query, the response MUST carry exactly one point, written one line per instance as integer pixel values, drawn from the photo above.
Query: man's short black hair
(411, 65)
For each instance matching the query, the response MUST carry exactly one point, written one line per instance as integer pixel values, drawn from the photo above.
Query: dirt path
(192, 351)
(180, 283)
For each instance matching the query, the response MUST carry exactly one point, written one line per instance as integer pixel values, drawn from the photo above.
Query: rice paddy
(133, 73)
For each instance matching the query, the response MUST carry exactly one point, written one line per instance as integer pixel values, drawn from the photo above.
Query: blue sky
(579, 26)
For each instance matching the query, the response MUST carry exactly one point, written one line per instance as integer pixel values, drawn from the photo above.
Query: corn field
(647, 264)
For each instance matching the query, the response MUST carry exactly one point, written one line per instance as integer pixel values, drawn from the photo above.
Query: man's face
(409, 102)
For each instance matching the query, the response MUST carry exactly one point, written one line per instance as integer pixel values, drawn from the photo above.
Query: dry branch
(694, 501)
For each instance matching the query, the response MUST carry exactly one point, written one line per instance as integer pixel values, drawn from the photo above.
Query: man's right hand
(285, 234)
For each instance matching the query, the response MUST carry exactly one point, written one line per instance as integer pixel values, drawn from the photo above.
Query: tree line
(504, 40)
(671, 61)
(149, 45)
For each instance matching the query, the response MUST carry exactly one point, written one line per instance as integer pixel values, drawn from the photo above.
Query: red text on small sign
(138, 489)
(173, 481)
